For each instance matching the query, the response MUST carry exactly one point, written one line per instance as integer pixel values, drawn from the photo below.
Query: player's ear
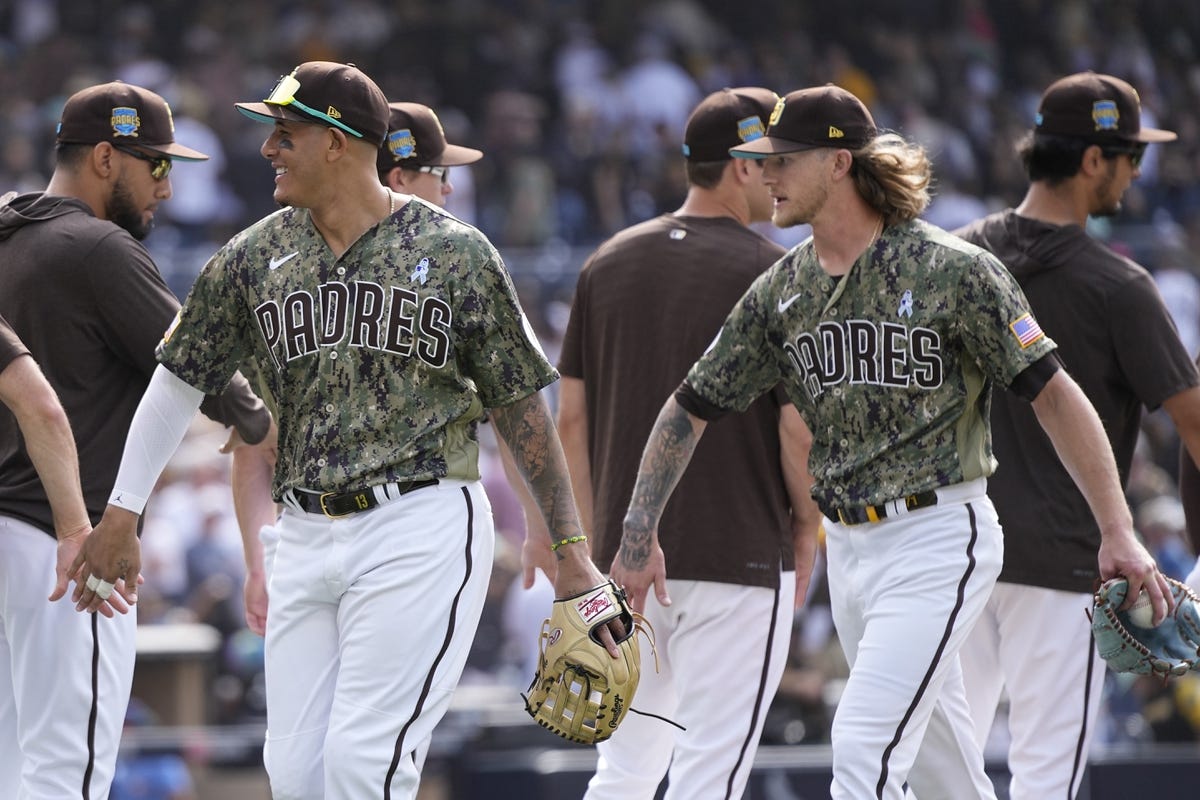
(337, 143)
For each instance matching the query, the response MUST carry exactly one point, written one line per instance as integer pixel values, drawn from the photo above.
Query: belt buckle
(360, 499)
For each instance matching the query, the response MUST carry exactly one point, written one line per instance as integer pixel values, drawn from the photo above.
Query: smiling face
(295, 150)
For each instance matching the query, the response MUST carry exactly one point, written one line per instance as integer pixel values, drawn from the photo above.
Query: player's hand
(1122, 555)
(69, 545)
(576, 574)
(108, 564)
(254, 593)
(536, 554)
(640, 564)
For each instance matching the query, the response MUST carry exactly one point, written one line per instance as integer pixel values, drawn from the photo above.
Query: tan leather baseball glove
(580, 692)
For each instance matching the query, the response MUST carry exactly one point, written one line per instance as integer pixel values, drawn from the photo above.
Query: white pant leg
(723, 700)
(372, 616)
(713, 758)
(633, 761)
(904, 593)
(983, 677)
(1052, 710)
(53, 655)
(950, 755)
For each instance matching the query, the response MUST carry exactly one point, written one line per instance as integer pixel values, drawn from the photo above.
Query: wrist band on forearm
(568, 540)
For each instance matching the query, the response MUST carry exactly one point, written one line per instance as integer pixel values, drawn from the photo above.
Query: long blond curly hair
(893, 176)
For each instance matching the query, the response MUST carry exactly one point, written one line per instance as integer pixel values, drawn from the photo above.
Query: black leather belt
(863, 514)
(340, 504)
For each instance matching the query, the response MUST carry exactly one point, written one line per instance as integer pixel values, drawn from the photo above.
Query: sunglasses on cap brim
(284, 94)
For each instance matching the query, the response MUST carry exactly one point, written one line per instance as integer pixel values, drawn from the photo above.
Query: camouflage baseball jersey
(891, 365)
(379, 363)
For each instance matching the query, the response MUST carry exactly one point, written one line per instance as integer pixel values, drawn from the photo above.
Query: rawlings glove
(1171, 648)
(581, 692)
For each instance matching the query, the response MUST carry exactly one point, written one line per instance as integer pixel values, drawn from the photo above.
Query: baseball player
(887, 333)
(89, 303)
(381, 328)
(671, 281)
(1115, 336)
(416, 158)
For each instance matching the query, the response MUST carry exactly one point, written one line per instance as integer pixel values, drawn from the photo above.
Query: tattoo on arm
(528, 430)
(664, 460)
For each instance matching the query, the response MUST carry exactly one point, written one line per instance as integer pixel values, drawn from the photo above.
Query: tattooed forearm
(529, 432)
(667, 453)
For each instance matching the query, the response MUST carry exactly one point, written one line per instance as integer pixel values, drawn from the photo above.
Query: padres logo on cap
(125, 121)
(750, 128)
(401, 144)
(778, 110)
(1105, 115)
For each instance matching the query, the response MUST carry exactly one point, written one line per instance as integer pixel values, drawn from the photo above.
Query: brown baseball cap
(326, 93)
(727, 119)
(1099, 108)
(823, 116)
(122, 113)
(415, 139)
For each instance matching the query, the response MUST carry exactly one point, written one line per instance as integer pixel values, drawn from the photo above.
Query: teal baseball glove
(1170, 648)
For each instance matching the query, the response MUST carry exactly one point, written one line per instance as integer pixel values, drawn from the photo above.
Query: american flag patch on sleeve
(1026, 329)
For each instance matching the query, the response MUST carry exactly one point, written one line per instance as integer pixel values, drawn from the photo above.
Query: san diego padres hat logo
(125, 121)
(402, 144)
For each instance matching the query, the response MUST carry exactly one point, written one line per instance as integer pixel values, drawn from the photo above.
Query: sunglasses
(161, 165)
(1135, 152)
(437, 172)
(284, 94)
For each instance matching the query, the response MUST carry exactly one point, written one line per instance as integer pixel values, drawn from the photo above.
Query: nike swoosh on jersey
(783, 304)
(275, 263)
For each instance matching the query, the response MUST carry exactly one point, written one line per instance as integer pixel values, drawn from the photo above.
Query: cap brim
(1151, 135)
(271, 113)
(769, 146)
(176, 152)
(457, 156)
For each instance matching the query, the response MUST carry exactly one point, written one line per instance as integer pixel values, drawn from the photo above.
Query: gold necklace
(391, 202)
(876, 234)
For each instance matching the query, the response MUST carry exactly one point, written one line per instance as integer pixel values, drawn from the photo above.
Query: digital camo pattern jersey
(890, 365)
(379, 363)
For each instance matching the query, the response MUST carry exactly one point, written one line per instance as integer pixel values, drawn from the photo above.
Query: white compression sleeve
(159, 425)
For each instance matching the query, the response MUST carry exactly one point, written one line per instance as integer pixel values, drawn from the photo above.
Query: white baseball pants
(1036, 644)
(64, 678)
(721, 653)
(905, 592)
(371, 619)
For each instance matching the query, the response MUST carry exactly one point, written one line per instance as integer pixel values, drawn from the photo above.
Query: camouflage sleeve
(500, 351)
(208, 339)
(996, 323)
(739, 366)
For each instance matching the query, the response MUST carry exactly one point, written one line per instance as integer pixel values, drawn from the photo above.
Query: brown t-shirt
(89, 303)
(648, 303)
(11, 346)
(1118, 342)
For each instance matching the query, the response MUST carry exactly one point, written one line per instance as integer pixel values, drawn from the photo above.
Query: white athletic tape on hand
(104, 589)
(92, 582)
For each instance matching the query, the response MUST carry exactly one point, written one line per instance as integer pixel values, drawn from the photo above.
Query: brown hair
(893, 176)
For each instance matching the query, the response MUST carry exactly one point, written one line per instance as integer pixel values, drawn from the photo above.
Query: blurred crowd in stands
(579, 108)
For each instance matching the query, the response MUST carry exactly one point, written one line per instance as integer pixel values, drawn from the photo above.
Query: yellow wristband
(568, 540)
